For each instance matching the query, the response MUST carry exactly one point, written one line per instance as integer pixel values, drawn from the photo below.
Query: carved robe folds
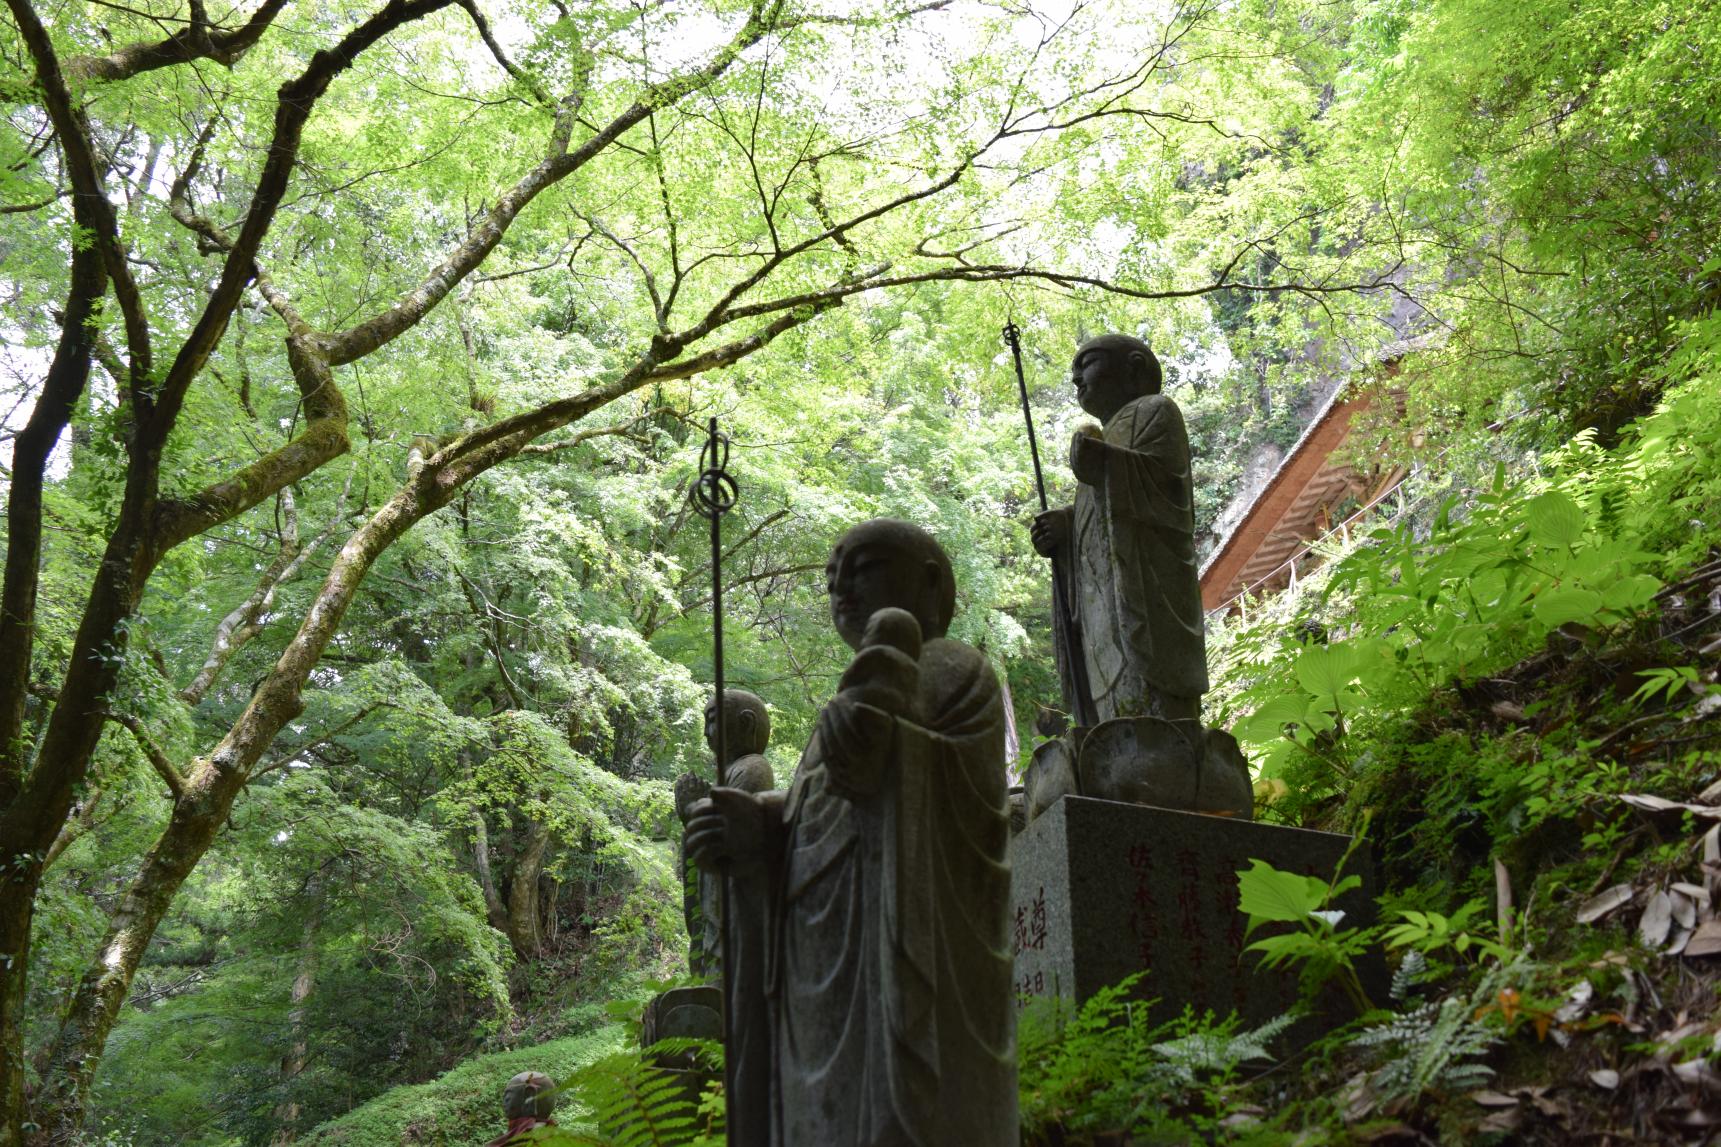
(886, 907)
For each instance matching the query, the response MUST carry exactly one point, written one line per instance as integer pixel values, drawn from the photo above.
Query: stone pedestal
(1101, 889)
(694, 1012)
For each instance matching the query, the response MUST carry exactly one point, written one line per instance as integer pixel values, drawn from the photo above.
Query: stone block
(1101, 889)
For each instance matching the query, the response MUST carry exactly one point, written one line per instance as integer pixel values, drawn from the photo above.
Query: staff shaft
(1013, 336)
(722, 746)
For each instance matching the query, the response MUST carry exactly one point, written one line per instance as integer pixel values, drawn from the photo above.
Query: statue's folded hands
(856, 739)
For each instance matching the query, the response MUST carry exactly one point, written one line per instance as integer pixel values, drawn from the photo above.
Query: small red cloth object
(519, 1127)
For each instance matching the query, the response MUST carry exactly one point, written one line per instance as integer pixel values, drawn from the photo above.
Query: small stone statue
(747, 733)
(526, 1104)
(881, 881)
(1131, 650)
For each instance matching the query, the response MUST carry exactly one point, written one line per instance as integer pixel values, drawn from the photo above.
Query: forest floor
(1587, 1010)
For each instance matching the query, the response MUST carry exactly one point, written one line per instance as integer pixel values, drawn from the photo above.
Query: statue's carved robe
(1135, 587)
(892, 1018)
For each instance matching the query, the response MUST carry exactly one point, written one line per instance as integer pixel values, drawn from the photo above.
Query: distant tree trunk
(293, 1063)
(523, 930)
(494, 909)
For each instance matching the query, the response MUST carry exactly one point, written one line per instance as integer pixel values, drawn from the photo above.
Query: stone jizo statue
(880, 880)
(747, 733)
(526, 1104)
(1131, 651)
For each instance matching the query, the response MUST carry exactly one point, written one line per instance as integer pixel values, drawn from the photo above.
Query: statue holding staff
(879, 881)
(1127, 546)
(747, 733)
(1128, 626)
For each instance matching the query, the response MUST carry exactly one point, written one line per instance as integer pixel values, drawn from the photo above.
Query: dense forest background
(356, 357)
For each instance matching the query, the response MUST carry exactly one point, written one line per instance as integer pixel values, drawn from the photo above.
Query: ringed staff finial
(714, 493)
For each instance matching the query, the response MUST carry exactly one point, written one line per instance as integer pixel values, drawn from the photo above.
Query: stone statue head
(747, 723)
(883, 563)
(530, 1093)
(1112, 370)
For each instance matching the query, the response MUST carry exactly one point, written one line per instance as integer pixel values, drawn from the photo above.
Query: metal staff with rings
(713, 494)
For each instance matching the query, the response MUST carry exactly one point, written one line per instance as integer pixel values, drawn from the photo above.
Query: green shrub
(464, 1106)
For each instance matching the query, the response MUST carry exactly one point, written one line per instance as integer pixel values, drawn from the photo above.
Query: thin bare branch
(525, 79)
(158, 759)
(360, 340)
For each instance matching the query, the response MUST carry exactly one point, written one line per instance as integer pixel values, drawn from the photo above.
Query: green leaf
(1325, 670)
(1555, 520)
(1268, 893)
(1278, 950)
(1558, 606)
(1631, 592)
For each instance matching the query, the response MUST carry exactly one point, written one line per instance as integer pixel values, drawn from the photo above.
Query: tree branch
(324, 437)
(18, 208)
(164, 768)
(526, 80)
(197, 41)
(90, 206)
(624, 430)
(248, 618)
(360, 340)
(293, 108)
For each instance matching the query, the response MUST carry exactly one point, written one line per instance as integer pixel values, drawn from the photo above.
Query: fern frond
(632, 1102)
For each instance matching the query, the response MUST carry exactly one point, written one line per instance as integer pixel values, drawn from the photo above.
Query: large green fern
(629, 1101)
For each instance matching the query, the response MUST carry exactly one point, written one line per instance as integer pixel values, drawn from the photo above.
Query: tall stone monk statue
(1127, 547)
(747, 732)
(880, 879)
(1132, 656)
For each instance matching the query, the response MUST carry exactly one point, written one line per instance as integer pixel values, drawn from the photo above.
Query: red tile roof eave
(1307, 460)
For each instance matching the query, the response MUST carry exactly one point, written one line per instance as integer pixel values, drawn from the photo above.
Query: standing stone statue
(1132, 657)
(881, 882)
(526, 1104)
(747, 733)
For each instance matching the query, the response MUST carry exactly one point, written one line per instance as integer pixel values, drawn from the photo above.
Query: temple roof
(1296, 506)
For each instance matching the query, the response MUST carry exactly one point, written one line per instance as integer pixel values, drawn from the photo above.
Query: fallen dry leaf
(1552, 1108)
(1706, 941)
(1656, 921)
(1577, 1003)
(1649, 803)
(1698, 1073)
(1359, 1098)
(1605, 901)
(1493, 1099)
(1684, 908)
(1507, 711)
(1696, 891)
(1667, 1043)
